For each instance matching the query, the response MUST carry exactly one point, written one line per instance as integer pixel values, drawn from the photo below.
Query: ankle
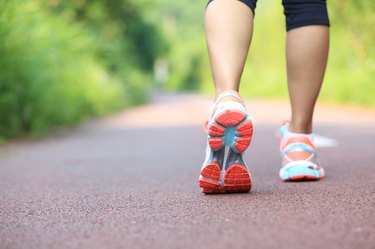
(228, 95)
(300, 128)
(229, 98)
(219, 90)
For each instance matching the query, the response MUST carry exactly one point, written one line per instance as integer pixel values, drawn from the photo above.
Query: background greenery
(64, 61)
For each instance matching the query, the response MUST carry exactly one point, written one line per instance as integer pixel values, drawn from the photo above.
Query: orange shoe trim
(230, 117)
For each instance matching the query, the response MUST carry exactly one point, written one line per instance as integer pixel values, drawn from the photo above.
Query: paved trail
(130, 181)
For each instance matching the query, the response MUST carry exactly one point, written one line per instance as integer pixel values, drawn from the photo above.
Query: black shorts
(300, 13)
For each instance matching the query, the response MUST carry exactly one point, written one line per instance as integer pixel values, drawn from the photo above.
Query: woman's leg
(228, 31)
(307, 52)
(229, 28)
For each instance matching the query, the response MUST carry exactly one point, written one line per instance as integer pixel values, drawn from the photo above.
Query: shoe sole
(231, 128)
(297, 174)
(237, 179)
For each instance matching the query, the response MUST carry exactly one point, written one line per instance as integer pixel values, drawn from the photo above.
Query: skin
(229, 29)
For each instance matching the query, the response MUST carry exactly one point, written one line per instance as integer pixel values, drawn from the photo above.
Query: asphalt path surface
(131, 181)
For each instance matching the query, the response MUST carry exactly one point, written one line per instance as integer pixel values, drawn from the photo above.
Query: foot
(299, 159)
(230, 130)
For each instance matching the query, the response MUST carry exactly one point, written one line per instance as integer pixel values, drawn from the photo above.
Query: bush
(64, 61)
(48, 75)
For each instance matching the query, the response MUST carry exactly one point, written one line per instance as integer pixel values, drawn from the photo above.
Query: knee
(300, 13)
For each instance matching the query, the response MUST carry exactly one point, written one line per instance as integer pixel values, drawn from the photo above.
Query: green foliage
(182, 25)
(120, 26)
(264, 74)
(64, 61)
(351, 67)
(45, 80)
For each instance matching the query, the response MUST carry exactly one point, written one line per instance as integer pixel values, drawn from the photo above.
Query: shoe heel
(231, 128)
(209, 180)
(237, 179)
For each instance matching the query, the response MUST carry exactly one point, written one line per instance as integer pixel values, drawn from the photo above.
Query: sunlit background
(64, 61)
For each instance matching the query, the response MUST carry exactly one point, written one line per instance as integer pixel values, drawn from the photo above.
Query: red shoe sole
(210, 179)
(237, 179)
(231, 118)
(299, 178)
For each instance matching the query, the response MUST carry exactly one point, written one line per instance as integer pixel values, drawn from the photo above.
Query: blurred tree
(63, 61)
(122, 25)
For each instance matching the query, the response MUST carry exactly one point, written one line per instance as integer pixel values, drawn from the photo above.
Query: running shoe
(299, 159)
(230, 130)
